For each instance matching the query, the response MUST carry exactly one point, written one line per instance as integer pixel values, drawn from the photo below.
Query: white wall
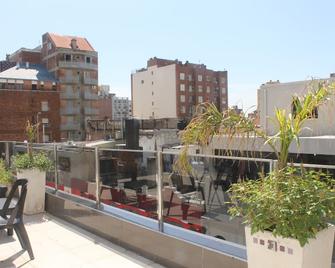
(279, 95)
(164, 93)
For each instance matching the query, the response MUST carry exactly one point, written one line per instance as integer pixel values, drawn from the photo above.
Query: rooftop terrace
(57, 243)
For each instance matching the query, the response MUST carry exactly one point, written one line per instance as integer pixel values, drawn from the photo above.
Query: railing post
(159, 192)
(56, 166)
(97, 176)
(7, 154)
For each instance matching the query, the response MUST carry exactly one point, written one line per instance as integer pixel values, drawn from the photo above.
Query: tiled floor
(59, 244)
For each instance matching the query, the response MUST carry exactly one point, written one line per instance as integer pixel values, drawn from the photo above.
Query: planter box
(35, 198)
(264, 250)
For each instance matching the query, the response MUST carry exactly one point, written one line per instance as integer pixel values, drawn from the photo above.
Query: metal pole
(56, 167)
(159, 192)
(97, 176)
(43, 132)
(7, 154)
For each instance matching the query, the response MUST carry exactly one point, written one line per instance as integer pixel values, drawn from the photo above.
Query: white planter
(264, 250)
(35, 198)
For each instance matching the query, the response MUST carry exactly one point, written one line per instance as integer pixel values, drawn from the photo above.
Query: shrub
(5, 175)
(292, 203)
(36, 160)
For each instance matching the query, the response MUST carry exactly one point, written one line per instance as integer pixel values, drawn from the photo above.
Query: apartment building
(74, 63)
(122, 108)
(172, 89)
(29, 92)
(275, 94)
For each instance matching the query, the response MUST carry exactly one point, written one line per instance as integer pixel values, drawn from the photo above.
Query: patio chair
(12, 218)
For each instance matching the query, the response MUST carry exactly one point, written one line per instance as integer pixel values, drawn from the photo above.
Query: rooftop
(59, 244)
(31, 72)
(64, 41)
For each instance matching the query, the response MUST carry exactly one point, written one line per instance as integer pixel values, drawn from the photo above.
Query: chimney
(74, 43)
(27, 65)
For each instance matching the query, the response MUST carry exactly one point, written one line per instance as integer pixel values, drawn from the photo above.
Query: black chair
(12, 218)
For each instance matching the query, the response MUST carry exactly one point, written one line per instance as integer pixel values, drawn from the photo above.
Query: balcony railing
(141, 187)
(91, 111)
(77, 65)
(69, 79)
(90, 96)
(70, 111)
(90, 81)
(70, 126)
(69, 95)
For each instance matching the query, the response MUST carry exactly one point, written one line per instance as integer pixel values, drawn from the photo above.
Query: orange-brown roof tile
(64, 41)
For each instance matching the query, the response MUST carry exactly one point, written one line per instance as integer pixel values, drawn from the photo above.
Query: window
(224, 101)
(152, 93)
(45, 121)
(199, 88)
(152, 103)
(200, 99)
(182, 87)
(222, 80)
(199, 77)
(33, 87)
(44, 106)
(182, 109)
(182, 76)
(142, 81)
(88, 59)
(190, 78)
(152, 82)
(208, 89)
(208, 78)
(182, 98)
(54, 87)
(46, 138)
(190, 88)
(67, 57)
(49, 45)
(223, 90)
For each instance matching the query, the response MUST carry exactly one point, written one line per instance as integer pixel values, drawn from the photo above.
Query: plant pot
(264, 250)
(35, 198)
(3, 191)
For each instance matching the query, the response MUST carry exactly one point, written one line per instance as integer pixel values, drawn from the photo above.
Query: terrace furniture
(12, 218)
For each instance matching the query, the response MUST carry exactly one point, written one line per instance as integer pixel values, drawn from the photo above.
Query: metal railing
(79, 65)
(95, 153)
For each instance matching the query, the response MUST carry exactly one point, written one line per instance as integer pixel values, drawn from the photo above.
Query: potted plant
(287, 211)
(6, 179)
(33, 167)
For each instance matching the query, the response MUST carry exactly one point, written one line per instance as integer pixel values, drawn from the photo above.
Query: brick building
(74, 63)
(105, 103)
(172, 89)
(28, 92)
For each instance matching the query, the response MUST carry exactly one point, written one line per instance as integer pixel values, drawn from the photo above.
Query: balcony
(57, 243)
(69, 95)
(70, 126)
(134, 198)
(91, 111)
(90, 96)
(90, 81)
(70, 111)
(69, 80)
(77, 65)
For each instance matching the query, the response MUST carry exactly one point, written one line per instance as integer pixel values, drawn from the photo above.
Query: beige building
(274, 95)
(74, 63)
(172, 89)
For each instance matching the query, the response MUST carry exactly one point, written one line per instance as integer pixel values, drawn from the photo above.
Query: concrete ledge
(157, 246)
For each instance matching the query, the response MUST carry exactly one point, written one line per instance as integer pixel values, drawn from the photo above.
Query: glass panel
(199, 200)
(76, 171)
(129, 181)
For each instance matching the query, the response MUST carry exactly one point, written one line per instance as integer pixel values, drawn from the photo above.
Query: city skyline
(265, 41)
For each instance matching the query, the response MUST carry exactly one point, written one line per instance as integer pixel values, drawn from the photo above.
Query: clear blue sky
(254, 40)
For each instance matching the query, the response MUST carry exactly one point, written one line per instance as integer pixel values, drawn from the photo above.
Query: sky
(255, 41)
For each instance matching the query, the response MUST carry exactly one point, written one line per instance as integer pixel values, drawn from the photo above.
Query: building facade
(122, 108)
(172, 89)
(74, 63)
(105, 103)
(29, 92)
(274, 94)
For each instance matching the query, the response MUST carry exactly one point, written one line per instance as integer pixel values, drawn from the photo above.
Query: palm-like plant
(209, 122)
